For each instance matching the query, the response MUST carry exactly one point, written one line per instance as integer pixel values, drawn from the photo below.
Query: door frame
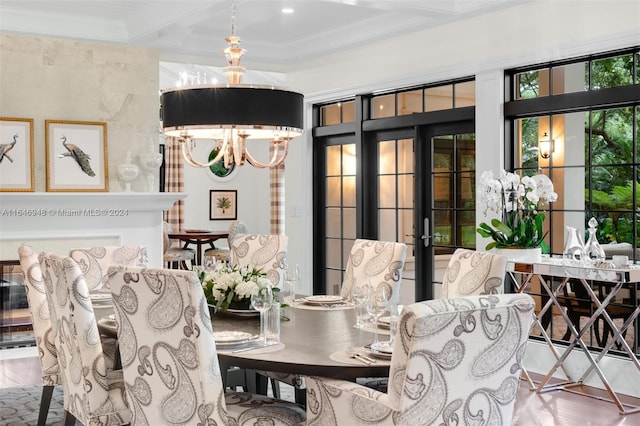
(424, 200)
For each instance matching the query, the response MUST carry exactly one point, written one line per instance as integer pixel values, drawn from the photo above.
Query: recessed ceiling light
(287, 10)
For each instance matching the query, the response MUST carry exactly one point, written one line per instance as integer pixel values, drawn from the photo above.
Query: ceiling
(189, 31)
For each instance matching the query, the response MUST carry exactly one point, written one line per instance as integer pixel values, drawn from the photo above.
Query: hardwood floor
(561, 408)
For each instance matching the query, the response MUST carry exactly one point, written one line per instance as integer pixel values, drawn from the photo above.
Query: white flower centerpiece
(230, 287)
(517, 201)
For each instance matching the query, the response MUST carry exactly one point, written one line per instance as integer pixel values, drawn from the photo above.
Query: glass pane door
(452, 215)
(396, 204)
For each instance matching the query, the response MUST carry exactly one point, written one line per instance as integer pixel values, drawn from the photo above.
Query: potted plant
(517, 200)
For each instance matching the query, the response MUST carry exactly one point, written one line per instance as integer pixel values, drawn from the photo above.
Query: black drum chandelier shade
(232, 113)
(206, 110)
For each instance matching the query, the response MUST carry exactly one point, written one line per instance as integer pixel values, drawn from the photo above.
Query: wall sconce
(545, 146)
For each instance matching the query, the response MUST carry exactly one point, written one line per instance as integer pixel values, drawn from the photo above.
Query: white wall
(251, 183)
(483, 46)
(44, 78)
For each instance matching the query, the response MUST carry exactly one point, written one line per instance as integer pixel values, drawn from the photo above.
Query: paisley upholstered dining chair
(95, 261)
(263, 251)
(222, 254)
(473, 272)
(41, 321)
(269, 253)
(454, 361)
(381, 261)
(174, 257)
(93, 390)
(171, 370)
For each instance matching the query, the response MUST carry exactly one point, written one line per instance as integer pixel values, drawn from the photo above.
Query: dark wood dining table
(310, 337)
(198, 238)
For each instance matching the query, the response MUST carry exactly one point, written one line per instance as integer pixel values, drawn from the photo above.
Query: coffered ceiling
(193, 31)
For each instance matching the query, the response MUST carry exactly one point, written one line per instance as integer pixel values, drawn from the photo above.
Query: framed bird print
(16, 154)
(76, 156)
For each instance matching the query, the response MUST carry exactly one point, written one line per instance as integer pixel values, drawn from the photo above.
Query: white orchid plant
(517, 200)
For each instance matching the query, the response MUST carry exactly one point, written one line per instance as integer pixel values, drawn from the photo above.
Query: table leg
(261, 382)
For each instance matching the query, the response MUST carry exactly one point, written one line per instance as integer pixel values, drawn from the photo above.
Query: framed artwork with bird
(16, 155)
(76, 156)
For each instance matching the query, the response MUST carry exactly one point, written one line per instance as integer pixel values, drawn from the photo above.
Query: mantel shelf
(60, 221)
(133, 201)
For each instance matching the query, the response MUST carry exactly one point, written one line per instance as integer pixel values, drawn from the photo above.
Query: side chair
(455, 361)
(171, 369)
(95, 261)
(174, 257)
(223, 254)
(269, 253)
(471, 272)
(263, 251)
(93, 390)
(41, 321)
(381, 261)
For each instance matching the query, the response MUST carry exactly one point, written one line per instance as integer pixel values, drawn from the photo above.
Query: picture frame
(16, 155)
(223, 205)
(76, 156)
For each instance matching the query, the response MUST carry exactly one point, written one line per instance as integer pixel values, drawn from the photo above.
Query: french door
(421, 186)
(445, 201)
(412, 183)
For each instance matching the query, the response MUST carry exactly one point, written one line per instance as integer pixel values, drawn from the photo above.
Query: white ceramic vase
(520, 255)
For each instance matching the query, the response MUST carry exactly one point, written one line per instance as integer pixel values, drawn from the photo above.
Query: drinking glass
(261, 300)
(360, 293)
(394, 315)
(291, 280)
(209, 263)
(378, 304)
(273, 327)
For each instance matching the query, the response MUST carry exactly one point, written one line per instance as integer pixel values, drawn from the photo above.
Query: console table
(616, 279)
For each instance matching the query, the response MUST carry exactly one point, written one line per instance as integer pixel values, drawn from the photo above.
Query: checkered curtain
(276, 186)
(174, 181)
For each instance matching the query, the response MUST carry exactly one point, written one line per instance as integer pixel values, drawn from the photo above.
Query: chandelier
(232, 114)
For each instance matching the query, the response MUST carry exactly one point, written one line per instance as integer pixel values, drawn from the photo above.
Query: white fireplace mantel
(58, 222)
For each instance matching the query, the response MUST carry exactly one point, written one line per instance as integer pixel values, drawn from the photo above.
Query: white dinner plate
(381, 355)
(244, 312)
(382, 347)
(100, 296)
(384, 322)
(101, 299)
(232, 337)
(323, 299)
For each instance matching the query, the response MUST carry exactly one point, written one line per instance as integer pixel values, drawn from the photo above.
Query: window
(579, 123)
(596, 147)
(427, 99)
(337, 113)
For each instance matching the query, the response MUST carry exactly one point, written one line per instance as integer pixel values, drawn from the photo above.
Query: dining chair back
(95, 261)
(93, 390)
(174, 257)
(380, 261)
(41, 323)
(169, 355)
(263, 251)
(471, 272)
(222, 254)
(454, 358)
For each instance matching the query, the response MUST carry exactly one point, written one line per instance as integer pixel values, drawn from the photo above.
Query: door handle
(426, 236)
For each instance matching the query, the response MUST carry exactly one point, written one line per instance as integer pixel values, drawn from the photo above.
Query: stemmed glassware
(378, 304)
(292, 276)
(261, 301)
(360, 293)
(209, 263)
